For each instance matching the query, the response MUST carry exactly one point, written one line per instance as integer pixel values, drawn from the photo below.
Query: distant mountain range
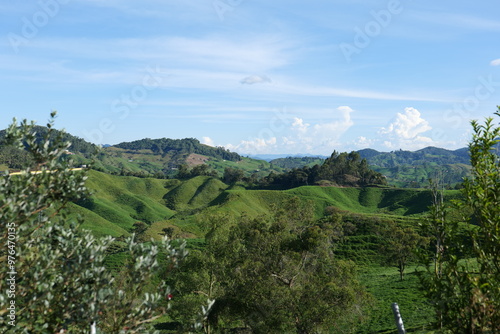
(162, 157)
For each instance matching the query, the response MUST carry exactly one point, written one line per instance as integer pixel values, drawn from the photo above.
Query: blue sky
(254, 76)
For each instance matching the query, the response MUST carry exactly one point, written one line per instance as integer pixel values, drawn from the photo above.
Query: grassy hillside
(123, 200)
(120, 201)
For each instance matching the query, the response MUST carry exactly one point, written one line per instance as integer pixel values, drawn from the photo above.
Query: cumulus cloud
(299, 125)
(495, 62)
(301, 136)
(253, 146)
(363, 142)
(208, 141)
(405, 131)
(255, 79)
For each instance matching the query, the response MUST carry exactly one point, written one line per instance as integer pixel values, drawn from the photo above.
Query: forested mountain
(14, 158)
(344, 169)
(187, 145)
(424, 156)
(78, 145)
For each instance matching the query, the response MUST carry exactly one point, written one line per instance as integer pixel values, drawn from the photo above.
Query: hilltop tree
(346, 169)
(232, 175)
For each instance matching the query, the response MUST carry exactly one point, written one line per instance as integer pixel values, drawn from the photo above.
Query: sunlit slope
(400, 202)
(118, 202)
(195, 193)
(123, 200)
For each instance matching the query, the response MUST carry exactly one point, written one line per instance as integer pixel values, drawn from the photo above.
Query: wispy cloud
(495, 62)
(255, 79)
(461, 21)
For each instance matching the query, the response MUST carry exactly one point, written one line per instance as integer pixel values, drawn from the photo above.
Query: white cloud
(256, 145)
(254, 79)
(208, 141)
(495, 62)
(299, 125)
(302, 137)
(405, 131)
(363, 142)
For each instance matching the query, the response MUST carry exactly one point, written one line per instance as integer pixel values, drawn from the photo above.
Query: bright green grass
(124, 200)
(95, 223)
(195, 193)
(385, 286)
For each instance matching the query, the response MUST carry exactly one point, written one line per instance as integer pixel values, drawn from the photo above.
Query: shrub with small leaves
(53, 276)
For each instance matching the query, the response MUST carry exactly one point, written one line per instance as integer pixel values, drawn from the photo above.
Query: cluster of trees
(345, 169)
(184, 172)
(187, 145)
(276, 274)
(14, 158)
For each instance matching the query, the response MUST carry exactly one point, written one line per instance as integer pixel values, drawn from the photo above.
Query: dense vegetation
(340, 169)
(463, 276)
(189, 145)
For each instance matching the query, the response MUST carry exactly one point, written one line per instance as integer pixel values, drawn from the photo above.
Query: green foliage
(345, 169)
(399, 244)
(188, 145)
(56, 272)
(464, 283)
(232, 175)
(136, 300)
(284, 275)
(200, 170)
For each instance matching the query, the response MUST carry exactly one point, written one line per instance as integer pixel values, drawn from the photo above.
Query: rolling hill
(118, 202)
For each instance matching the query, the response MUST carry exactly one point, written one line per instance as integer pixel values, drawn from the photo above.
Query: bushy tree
(276, 274)
(464, 282)
(53, 276)
(232, 175)
(399, 244)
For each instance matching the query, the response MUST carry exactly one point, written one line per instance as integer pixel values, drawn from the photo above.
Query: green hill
(117, 202)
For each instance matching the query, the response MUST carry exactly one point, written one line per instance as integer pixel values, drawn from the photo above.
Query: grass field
(386, 287)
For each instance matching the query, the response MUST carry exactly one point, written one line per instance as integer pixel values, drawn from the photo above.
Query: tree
(399, 245)
(55, 272)
(278, 274)
(464, 286)
(232, 175)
